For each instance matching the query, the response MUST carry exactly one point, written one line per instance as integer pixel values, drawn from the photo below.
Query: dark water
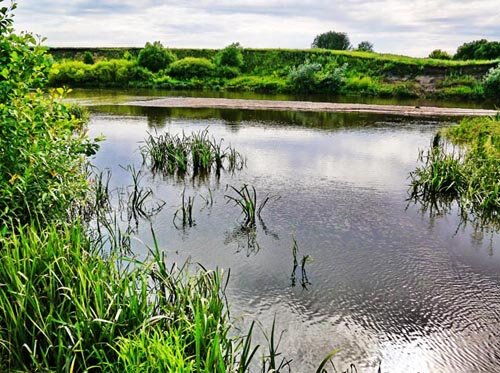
(388, 283)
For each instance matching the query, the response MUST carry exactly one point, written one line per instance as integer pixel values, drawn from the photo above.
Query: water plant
(137, 203)
(197, 153)
(305, 259)
(246, 199)
(468, 175)
(186, 210)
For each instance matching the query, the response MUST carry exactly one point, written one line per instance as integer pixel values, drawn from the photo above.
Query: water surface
(388, 283)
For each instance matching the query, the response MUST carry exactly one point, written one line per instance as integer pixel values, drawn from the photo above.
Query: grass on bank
(469, 174)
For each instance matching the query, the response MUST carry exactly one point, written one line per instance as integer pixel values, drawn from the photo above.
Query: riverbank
(315, 71)
(221, 103)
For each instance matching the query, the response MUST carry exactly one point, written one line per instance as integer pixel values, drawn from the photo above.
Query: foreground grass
(66, 305)
(469, 175)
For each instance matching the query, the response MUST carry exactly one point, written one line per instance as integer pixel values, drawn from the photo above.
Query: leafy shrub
(155, 57)
(88, 58)
(304, 78)
(230, 56)
(365, 46)
(492, 83)
(191, 67)
(332, 40)
(42, 141)
(439, 54)
(331, 80)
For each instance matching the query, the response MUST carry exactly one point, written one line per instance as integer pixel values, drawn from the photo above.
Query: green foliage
(471, 177)
(192, 67)
(88, 58)
(230, 56)
(266, 84)
(304, 78)
(155, 57)
(478, 50)
(332, 40)
(477, 133)
(439, 54)
(42, 141)
(6, 17)
(311, 77)
(109, 73)
(268, 70)
(65, 305)
(492, 83)
(332, 78)
(363, 84)
(197, 153)
(365, 46)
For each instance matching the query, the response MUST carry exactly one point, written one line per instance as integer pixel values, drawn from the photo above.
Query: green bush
(439, 54)
(42, 142)
(492, 83)
(192, 67)
(155, 57)
(304, 78)
(330, 80)
(88, 58)
(230, 56)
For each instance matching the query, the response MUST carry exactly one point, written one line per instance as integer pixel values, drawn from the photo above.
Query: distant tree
(332, 40)
(230, 56)
(155, 57)
(439, 54)
(478, 50)
(88, 58)
(365, 46)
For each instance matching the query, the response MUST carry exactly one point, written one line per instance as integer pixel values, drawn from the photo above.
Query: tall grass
(197, 154)
(66, 307)
(470, 175)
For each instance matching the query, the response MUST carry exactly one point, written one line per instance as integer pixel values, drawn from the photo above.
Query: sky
(410, 27)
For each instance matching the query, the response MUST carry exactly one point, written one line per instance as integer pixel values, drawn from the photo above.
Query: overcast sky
(413, 27)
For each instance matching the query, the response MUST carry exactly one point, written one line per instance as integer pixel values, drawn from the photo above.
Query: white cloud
(414, 28)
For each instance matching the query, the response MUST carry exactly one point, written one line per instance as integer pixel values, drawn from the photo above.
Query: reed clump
(197, 154)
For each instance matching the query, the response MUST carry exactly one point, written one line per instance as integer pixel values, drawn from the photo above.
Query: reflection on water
(387, 282)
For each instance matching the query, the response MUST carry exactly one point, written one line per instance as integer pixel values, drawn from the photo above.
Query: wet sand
(223, 103)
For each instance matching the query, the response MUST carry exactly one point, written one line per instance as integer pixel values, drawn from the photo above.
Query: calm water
(388, 283)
